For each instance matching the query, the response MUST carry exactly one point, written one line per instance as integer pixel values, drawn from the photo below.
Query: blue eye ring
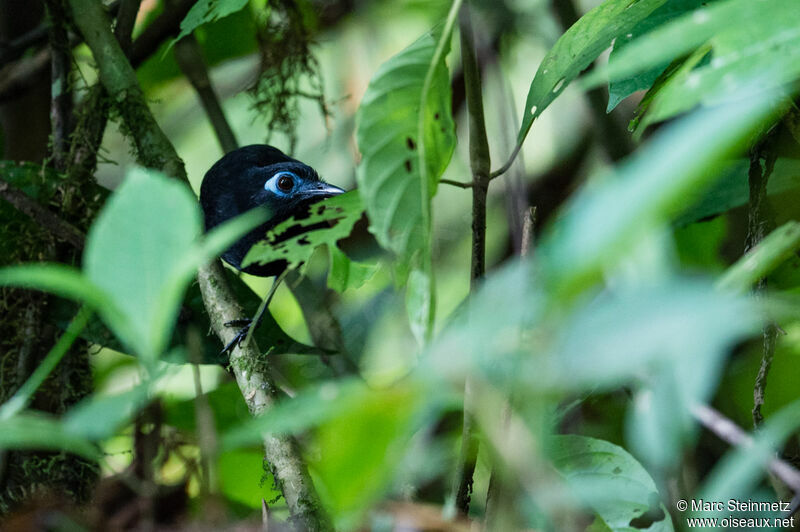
(282, 182)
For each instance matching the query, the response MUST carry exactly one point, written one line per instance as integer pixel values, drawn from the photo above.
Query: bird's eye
(285, 183)
(282, 182)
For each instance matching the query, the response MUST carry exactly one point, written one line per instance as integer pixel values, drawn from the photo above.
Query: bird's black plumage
(259, 176)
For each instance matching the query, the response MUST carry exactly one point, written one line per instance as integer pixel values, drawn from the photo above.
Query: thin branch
(731, 433)
(15, 49)
(480, 165)
(58, 227)
(190, 60)
(760, 223)
(503, 169)
(498, 493)
(154, 149)
(23, 397)
(458, 184)
(17, 78)
(126, 19)
(61, 85)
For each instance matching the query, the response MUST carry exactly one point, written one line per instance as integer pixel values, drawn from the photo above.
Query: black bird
(259, 176)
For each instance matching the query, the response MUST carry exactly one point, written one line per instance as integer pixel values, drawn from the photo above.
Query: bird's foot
(244, 325)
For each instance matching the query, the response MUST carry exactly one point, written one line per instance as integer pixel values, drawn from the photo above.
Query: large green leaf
(100, 416)
(136, 253)
(611, 482)
(39, 432)
(620, 89)
(613, 213)
(360, 449)
(751, 42)
(58, 279)
(577, 48)
(389, 176)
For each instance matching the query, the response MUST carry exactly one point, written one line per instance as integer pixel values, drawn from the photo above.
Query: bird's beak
(322, 191)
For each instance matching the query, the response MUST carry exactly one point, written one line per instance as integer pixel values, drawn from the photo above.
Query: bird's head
(259, 176)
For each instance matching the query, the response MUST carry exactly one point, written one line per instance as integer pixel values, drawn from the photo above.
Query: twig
(58, 227)
(503, 169)
(23, 396)
(731, 433)
(480, 165)
(190, 60)
(13, 50)
(456, 183)
(126, 19)
(154, 149)
(497, 492)
(528, 223)
(206, 432)
(760, 222)
(61, 86)
(17, 78)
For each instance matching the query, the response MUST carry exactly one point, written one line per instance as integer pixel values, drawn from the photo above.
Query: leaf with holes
(751, 43)
(611, 482)
(294, 240)
(389, 176)
(577, 48)
(620, 89)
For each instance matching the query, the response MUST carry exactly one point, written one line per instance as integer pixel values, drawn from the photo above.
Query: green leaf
(30, 431)
(389, 177)
(778, 246)
(241, 478)
(136, 252)
(309, 408)
(577, 48)
(360, 449)
(611, 214)
(59, 279)
(732, 190)
(677, 322)
(751, 42)
(612, 482)
(620, 89)
(204, 11)
(295, 240)
(346, 273)
(99, 417)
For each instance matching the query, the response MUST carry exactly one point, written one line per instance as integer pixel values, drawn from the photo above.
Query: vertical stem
(61, 90)
(760, 223)
(480, 163)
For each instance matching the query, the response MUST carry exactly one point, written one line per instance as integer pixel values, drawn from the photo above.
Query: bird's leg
(249, 325)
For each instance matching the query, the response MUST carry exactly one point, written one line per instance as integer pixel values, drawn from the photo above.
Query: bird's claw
(245, 325)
